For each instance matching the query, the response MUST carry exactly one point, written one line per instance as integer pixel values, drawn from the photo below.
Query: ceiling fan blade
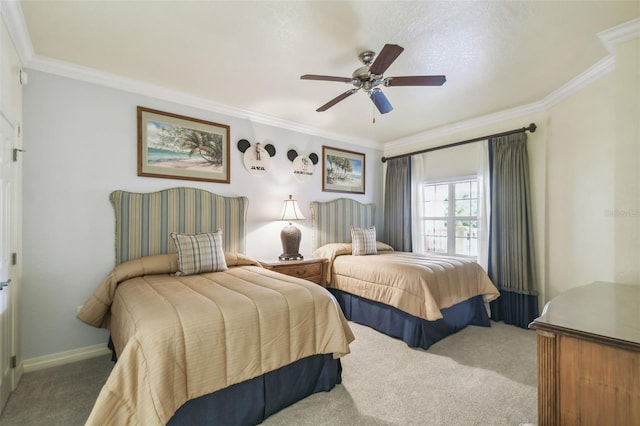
(325, 78)
(416, 80)
(386, 57)
(337, 99)
(380, 100)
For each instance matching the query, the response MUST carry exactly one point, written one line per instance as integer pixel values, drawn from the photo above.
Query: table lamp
(290, 235)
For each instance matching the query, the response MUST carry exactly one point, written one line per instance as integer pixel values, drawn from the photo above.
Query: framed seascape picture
(178, 147)
(342, 170)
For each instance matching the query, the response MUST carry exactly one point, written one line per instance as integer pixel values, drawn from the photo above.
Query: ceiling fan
(370, 76)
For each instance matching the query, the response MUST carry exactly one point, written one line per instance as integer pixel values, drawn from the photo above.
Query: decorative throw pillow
(198, 253)
(363, 241)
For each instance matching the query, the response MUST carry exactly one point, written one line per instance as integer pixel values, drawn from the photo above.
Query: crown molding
(90, 75)
(462, 126)
(582, 80)
(620, 34)
(16, 25)
(17, 28)
(93, 76)
(610, 38)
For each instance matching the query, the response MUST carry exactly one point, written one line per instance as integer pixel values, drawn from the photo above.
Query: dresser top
(601, 311)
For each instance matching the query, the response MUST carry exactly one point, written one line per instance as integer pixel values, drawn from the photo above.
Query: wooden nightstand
(309, 269)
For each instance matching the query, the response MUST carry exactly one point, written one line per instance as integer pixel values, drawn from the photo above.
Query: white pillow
(198, 253)
(363, 241)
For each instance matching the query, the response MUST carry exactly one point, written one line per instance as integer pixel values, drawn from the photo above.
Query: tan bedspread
(417, 284)
(179, 338)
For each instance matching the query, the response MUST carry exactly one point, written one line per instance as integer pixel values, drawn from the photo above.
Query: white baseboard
(61, 358)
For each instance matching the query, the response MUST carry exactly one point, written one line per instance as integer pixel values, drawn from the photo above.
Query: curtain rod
(531, 128)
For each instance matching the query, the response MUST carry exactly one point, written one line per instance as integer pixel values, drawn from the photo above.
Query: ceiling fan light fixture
(380, 101)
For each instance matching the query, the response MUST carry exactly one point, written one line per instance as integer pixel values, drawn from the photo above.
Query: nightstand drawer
(308, 269)
(301, 270)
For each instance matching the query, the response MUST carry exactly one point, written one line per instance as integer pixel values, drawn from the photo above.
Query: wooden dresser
(589, 356)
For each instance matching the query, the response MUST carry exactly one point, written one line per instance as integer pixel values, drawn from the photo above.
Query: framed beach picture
(178, 147)
(342, 170)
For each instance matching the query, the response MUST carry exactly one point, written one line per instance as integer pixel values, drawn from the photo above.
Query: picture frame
(173, 146)
(343, 170)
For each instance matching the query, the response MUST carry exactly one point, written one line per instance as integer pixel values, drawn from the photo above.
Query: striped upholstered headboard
(144, 221)
(332, 220)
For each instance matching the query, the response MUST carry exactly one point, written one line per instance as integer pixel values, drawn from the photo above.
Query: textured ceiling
(250, 55)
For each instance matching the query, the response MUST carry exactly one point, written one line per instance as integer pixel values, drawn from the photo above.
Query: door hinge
(14, 362)
(15, 153)
(14, 258)
(23, 77)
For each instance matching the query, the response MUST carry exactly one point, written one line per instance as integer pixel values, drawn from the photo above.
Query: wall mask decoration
(256, 157)
(303, 167)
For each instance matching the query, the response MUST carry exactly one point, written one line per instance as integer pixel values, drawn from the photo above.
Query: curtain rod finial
(384, 159)
(532, 127)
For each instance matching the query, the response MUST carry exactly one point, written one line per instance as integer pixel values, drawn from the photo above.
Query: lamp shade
(290, 210)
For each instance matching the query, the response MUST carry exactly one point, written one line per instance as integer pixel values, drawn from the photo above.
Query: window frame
(451, 218)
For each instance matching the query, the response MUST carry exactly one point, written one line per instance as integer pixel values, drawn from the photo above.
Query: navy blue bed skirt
(415, 332)
(252, 401)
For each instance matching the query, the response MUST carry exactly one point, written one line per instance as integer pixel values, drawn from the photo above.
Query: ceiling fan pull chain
(374, 114)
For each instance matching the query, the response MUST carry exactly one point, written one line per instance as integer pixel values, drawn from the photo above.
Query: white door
(7, 138)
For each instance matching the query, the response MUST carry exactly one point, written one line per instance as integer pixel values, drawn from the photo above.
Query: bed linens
(178, 338)
(417, 284)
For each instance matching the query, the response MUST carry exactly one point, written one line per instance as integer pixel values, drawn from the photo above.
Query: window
(451, 217)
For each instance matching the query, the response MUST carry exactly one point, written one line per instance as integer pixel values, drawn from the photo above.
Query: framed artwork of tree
(177, 147)
(343, 171)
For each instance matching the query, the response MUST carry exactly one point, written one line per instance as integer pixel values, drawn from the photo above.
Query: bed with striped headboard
(332, 220)
(144, 221)
(417, 298)
(203, 344)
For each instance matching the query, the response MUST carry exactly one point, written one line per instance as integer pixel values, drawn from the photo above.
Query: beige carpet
(479, 376)
(57, 396)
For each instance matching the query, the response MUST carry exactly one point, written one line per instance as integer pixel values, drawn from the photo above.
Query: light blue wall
(81, 144)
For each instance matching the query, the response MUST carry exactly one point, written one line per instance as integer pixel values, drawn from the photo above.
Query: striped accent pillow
(363, 241)
(198, 253)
